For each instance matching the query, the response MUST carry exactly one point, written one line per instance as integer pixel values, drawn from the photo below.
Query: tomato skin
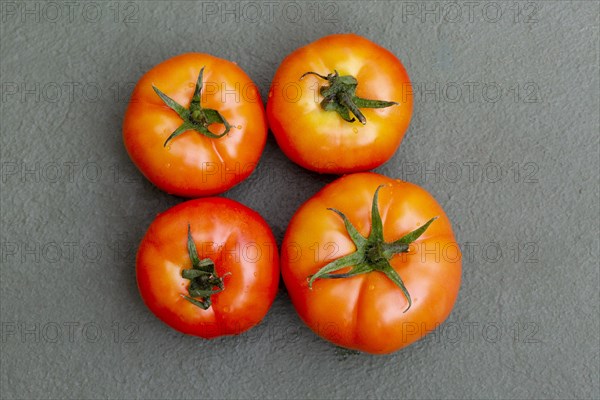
(244, 250)
(366, 312)
(321, 140)
(193, 165)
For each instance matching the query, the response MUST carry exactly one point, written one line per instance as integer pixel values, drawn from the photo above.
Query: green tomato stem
(372, 253)
(340, 96)
(204, 281)
(195, 118)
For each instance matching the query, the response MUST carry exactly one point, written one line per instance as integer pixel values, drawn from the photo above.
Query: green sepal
(414, 235)
(352, 231)
(195, 118)
(202, 276)
(340, 96)
(203, 304)
(391, 273)
(372, 253)
(346, 261)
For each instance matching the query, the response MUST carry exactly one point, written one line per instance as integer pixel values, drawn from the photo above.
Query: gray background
(504, 134)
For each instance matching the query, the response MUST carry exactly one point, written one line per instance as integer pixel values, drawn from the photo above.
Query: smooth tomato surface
(368, 312)
(243, 250)
(321, 140)
(191, 164)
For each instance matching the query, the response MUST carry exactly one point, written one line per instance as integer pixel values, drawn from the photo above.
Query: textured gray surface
(516, 170)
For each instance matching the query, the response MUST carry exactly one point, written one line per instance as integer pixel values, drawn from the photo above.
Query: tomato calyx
(195, 118)
(203, 277)
(340, 96)
(372, 253)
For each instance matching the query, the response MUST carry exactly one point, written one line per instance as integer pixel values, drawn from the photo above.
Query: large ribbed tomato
(195, 125)
(208, 267)
(340, 104)
(371, 263)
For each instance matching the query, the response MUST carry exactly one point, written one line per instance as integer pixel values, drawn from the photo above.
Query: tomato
(195, 125)
(340, 104)
(367, 264)
(208, 267)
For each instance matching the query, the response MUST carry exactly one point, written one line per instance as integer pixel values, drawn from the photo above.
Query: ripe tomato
(195, 125)
(208, 267)
(340, 104)
(367, 264)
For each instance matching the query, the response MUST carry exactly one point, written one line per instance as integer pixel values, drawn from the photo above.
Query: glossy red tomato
(195, 125)
(208, 267)
(371, 263)
(340, 104)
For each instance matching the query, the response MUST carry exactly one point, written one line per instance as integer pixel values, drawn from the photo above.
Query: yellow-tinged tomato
(340, 104)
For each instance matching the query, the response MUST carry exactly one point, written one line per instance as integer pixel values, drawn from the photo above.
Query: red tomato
(367, 265)
(195, 125)
(340, 104)
(208, 267)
